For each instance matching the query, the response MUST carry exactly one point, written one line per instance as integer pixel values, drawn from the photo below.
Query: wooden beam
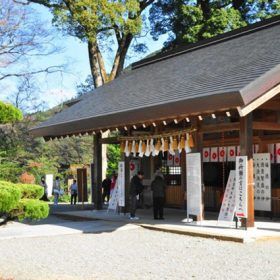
(109, 140)
(266, 126)
(220, 127)
(273, 105)
(245, 110)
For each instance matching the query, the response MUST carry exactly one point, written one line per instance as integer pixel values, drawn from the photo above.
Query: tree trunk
(94, 64)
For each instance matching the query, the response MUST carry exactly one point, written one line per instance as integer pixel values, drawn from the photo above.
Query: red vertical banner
(222, 154)
(271, 150)
(277, 151)
(231, 153)
(206, 154)
(214, 154)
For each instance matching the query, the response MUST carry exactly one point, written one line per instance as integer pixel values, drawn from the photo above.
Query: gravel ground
(137, 254)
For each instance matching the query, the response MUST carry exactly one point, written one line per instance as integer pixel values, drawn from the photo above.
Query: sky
(56, 88)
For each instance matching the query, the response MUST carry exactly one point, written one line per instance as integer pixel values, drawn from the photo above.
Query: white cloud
(56, 96)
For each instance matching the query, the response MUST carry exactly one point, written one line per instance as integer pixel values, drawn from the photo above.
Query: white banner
(49, 182)
(228, 206)
(262, 179)
(241, 186)
(277, 153)
(177, 161)
(214, 154)
(231, 153)
(113, 202)
(121, 184)
(134, 167)
(222, 154)
(194, 204)
(206, 154)
(170, 159)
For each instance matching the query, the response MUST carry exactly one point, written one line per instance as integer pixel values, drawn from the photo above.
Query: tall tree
(188, 21)
(97, 21)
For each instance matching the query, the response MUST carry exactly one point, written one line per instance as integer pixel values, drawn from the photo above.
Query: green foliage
(31, 191)
(9, 197)
(32, 209)
(22, 201)
(85, 18)
(9, 113)
(114, 156)
(190, 21)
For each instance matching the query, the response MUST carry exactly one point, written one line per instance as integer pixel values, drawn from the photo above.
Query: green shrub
(9, 113)
(22, 201)
(9, 196)
(32, 209)
(31, 191)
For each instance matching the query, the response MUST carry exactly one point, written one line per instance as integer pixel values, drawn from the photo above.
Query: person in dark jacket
(106, 185)
(158, 187)
(136, 187)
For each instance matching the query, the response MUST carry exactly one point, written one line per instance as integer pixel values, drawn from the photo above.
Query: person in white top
(74, 192)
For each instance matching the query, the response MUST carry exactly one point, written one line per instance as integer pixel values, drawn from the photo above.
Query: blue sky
(57, 87)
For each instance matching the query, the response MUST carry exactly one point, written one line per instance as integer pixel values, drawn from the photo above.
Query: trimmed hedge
(21, 201)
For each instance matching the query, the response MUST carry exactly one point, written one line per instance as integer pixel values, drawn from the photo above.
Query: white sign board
(228, 205)
(49, 183)
(121, 184)
(113, 202)
(194, 204)
(241, 186)
(262, 179)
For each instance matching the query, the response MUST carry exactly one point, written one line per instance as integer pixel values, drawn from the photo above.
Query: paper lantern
(126, 151)
(175, 144)
(140, 150)
(165, 147)
(187, 144)
(148, 150)
(206, 154)
(122, 146)
(133, 148)
(171, 151)
(136, 147)
(191, 142)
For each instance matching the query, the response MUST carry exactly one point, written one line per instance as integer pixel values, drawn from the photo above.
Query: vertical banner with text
(194, 203)
(241, 186)
(228, 204)
(121, 184)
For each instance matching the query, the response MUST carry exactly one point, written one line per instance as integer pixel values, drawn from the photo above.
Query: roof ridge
(251, 28)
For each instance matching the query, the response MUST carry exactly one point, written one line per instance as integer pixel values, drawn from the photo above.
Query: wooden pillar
(97, 170)
(198, 140)
(246, 149)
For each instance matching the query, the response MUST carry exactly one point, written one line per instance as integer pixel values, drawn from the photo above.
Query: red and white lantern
(222, 154)
(206, 154)
(231, 153)
(214, 154)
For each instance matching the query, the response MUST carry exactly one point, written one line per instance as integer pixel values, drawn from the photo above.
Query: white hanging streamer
(126, 151)
(171, 151)
(140, 149)
(187, 144)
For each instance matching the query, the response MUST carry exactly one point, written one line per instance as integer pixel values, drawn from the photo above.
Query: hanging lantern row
(154, 146)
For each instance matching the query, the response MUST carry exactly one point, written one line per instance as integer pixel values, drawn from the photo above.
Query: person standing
(136, 188)
(45, 187)
(106, 185)
(158, 187)
(56, 190)
(74, 191)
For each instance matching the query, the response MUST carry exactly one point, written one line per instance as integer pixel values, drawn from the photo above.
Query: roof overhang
(183, 108)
